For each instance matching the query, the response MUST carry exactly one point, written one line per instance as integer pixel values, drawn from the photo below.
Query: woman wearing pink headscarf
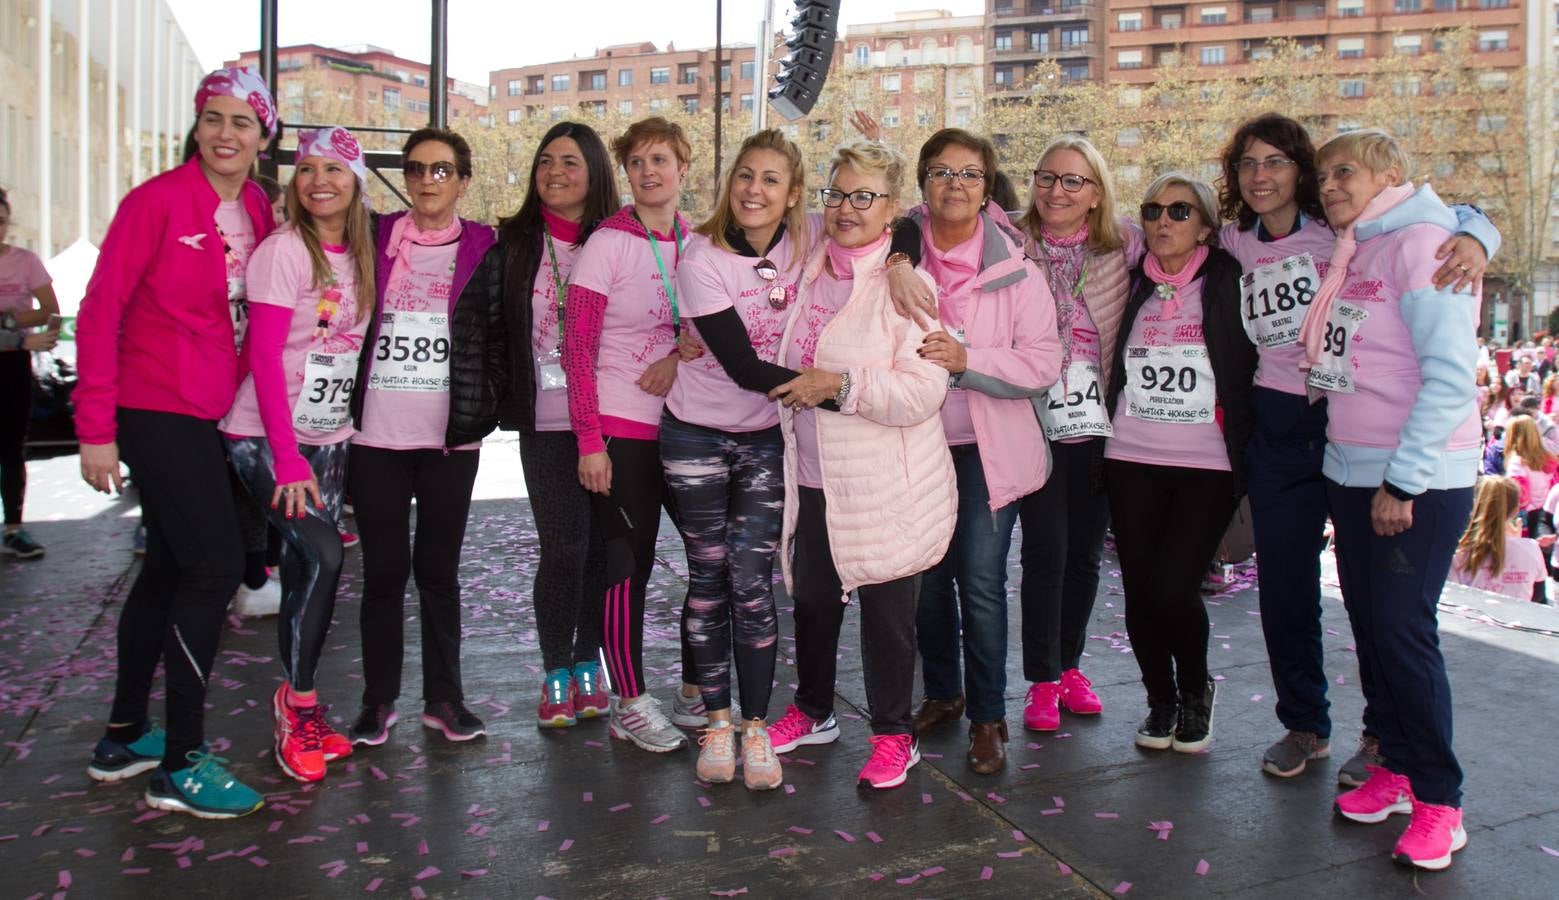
(158, 368)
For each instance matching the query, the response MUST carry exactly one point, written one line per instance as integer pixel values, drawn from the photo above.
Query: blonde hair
(1206, 200)
(654, 130)
(1374, 148)
(359, 242)
(871, 158)
(722, 219)
(1523, 440)
(1495, 503)
(1104, 231)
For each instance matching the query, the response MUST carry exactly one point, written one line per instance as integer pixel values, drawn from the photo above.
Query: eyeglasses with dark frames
(946, 175)
(863, 199)
(441, 171)
(1044, 179)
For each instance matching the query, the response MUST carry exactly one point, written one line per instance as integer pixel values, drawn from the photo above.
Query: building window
(892, 83)
(746, 103)
(1406, 87)
(863, 55)
(1258, 15)
(625, 78)
(1074, 71)
(1493, 40)
(1128, 137)
(516, 116)
(890, 118)
(392, 98)
(594, 81)
(1349, 8)
(922, 115)
(1212, 56)
(625, 107)
(748, 68)
(537, 85)
(559, 83)
(688, 75)
(515, 87)
(924, 81)
(1350, 48)
(1073, 37)
(690, 104)
(963, 51)
(1128, 59)
(1002, 76)
(1493, 4)
(657, 104)
(598, 107)
(725, 72)
(1445, 5)
(660, 75)
(1350, 88)
(1128, 21)
(1491, 124)
(1003, 40)
(558, 112)
(1170, 20)
(1215, 15)
(1039, 41)
(1407, 6)
(1408, 44)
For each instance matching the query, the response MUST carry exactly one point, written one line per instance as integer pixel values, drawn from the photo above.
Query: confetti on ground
(799, 830)
(778, 852)
(1106, 815)
(1549, 850)
(1122, 888)
(567, 843)
(845, 836)
(1063, 868)
(1202, 866)
(659, 819)
(986, 872)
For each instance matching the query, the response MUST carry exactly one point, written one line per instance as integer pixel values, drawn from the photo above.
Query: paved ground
(1081, 813)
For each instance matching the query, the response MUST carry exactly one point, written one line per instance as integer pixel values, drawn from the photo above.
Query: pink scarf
(954, 271)
(1313, 333)
(1169, 285)
(404, 233)
(842, 259)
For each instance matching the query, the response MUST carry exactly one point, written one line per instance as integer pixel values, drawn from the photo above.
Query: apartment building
(630, 79)
(1020, 34)
(929, 65)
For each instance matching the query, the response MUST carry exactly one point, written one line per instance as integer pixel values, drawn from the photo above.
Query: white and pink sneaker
(893, 755)
(797, 729)
(1433, 834)
(1377, 799)
(1041, 708)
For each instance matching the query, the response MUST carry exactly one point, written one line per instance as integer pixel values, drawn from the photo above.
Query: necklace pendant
(777, 298)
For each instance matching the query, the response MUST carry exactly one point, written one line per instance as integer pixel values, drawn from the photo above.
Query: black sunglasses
(442, 171)
(1178, 212)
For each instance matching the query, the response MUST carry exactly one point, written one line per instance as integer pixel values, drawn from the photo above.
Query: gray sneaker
(1354, 772)
(644, 724)
(1288, 756)
(689, 712)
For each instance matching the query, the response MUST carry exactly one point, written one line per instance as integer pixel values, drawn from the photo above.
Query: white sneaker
(689, 712)
(761, 769)
(645, 725)
(264, 600)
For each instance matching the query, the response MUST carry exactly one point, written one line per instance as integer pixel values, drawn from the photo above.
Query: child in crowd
(1492, 555)
(1531, 466)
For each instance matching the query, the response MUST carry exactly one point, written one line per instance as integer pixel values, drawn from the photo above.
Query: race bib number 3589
(411, 353)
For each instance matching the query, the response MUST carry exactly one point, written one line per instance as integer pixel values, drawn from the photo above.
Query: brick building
(930, 65)
(1020, 34)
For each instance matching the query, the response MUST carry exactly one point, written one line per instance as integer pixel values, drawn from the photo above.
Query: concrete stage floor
(525, 813)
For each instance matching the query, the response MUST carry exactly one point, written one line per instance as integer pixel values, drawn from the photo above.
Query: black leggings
(311, 555)
(1063, 539)
(15, 416)
(383, 483)
(570, 576)
(193, 564)
(1168, 521)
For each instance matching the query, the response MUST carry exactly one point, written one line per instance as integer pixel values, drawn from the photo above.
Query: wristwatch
(844, 389)
(896, 258)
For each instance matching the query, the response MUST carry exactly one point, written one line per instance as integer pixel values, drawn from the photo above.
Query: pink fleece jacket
(155, 331)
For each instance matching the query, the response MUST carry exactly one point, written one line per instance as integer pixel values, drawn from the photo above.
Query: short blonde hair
(872, 158)
(1206, 200)
(1374, 148)
(654, 130)
(1104, 231)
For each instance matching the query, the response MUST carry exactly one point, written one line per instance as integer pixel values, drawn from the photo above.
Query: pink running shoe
(349, 539)
(556, 709)
(590, 697)
(1077, 694)
(1040, 709)
(1384, 793)
(893, 755)
(796, 729)
(1433, 834)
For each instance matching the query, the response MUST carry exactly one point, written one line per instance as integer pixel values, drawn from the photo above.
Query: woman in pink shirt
(22, 281)
(157, 368)
(619, 360)
(310, 297)
(1492, 555)
(571, 192)
(1175, 465)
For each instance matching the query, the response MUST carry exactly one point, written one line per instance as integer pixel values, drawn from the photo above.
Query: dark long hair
(601, 198)
(1293, 141)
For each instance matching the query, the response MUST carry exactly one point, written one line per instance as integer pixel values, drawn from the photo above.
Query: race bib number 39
(1074, 407)
(411, 353)
(1335, 373)
(328, 379)
(1170, 384)
(1275, 299)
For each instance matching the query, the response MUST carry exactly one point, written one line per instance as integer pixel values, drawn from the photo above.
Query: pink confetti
(986, 872)
(274, 827)
(589, 797)
(1106, 815)
(85, 853)
(544, 824)
(1051, 812)
(1122, 888)
(427, 873)
(778, 852)
(734, 892)
(1025, 768)
(1019, 836)
(620, 807)
(1202, 866)
(422, 848)
(473, 873)
(373, 885)
(378, 773)
(135, 871)
(873, 837)
(567, 843)
(593, 744)
(1063, 868)
(1010, 854)
(876, 876)
(995, 797)
(417, 893)
(1058, 801)
(925, 799)
(659, 819)
(1255, 698)
(845, 836)
(184, 862)
(934, 870)
(799, 830)
(910, 880)
(65, 880)
(259, 861)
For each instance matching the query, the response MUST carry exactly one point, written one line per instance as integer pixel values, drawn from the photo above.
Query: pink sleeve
(1033, 360)
(581, 344)
(264, 343)
(1522, 476)
(129, 249)
(1136, 241)
(39, 276)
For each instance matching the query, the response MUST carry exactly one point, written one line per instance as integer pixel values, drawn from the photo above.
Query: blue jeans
(976, 562)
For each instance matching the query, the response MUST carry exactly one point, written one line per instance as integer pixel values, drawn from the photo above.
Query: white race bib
(322, 405)
(1335, 373)
(1276, 297)
(1170, 384)
(412, 353)
(1074, 407)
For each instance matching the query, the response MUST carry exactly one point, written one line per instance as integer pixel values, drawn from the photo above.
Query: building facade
(1021, 34)
(929, 66)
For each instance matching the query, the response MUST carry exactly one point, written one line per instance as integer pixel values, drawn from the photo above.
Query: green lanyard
(558, 283)
(665, 282)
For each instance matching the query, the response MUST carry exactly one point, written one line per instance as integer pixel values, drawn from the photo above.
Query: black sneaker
(1157, 731)
(1194, 729)
(453, 719)
(113, 761)
(372, 727)
(20, 544)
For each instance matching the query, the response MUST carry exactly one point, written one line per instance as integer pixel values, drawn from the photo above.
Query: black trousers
(1168, 521)
(570, 588)
(887, 628)
(15, 417)
(383, 483)
(193, 564)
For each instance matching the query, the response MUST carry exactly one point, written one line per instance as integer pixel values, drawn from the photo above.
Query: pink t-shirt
(956, 272)
(395, 418)
(1196, 444)
(1524, 567)
(237, 233)
(822, 302)
(1277, 365)
(636, 329)
(711, 280)
(551, 406)
(21, 273)
(280, 275)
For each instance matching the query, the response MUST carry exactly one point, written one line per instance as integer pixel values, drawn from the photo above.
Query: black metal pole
(719, 9)
(438, 67)
(268, 163)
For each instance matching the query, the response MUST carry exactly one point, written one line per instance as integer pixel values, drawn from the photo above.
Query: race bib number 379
(411, 353)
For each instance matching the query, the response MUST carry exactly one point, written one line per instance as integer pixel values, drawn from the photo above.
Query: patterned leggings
(311, 554)
(730, 494)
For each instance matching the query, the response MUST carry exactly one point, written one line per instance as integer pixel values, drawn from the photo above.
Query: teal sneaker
(556, 709)
(203, 788)
(590, 697)
(113, 761)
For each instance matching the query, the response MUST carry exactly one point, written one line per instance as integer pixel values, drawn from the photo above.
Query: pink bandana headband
(338, 144)
(241, 83)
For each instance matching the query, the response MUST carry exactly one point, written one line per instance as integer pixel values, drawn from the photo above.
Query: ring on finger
(1462, 266)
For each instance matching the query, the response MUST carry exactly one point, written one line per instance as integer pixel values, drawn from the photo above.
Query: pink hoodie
(155, 331)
